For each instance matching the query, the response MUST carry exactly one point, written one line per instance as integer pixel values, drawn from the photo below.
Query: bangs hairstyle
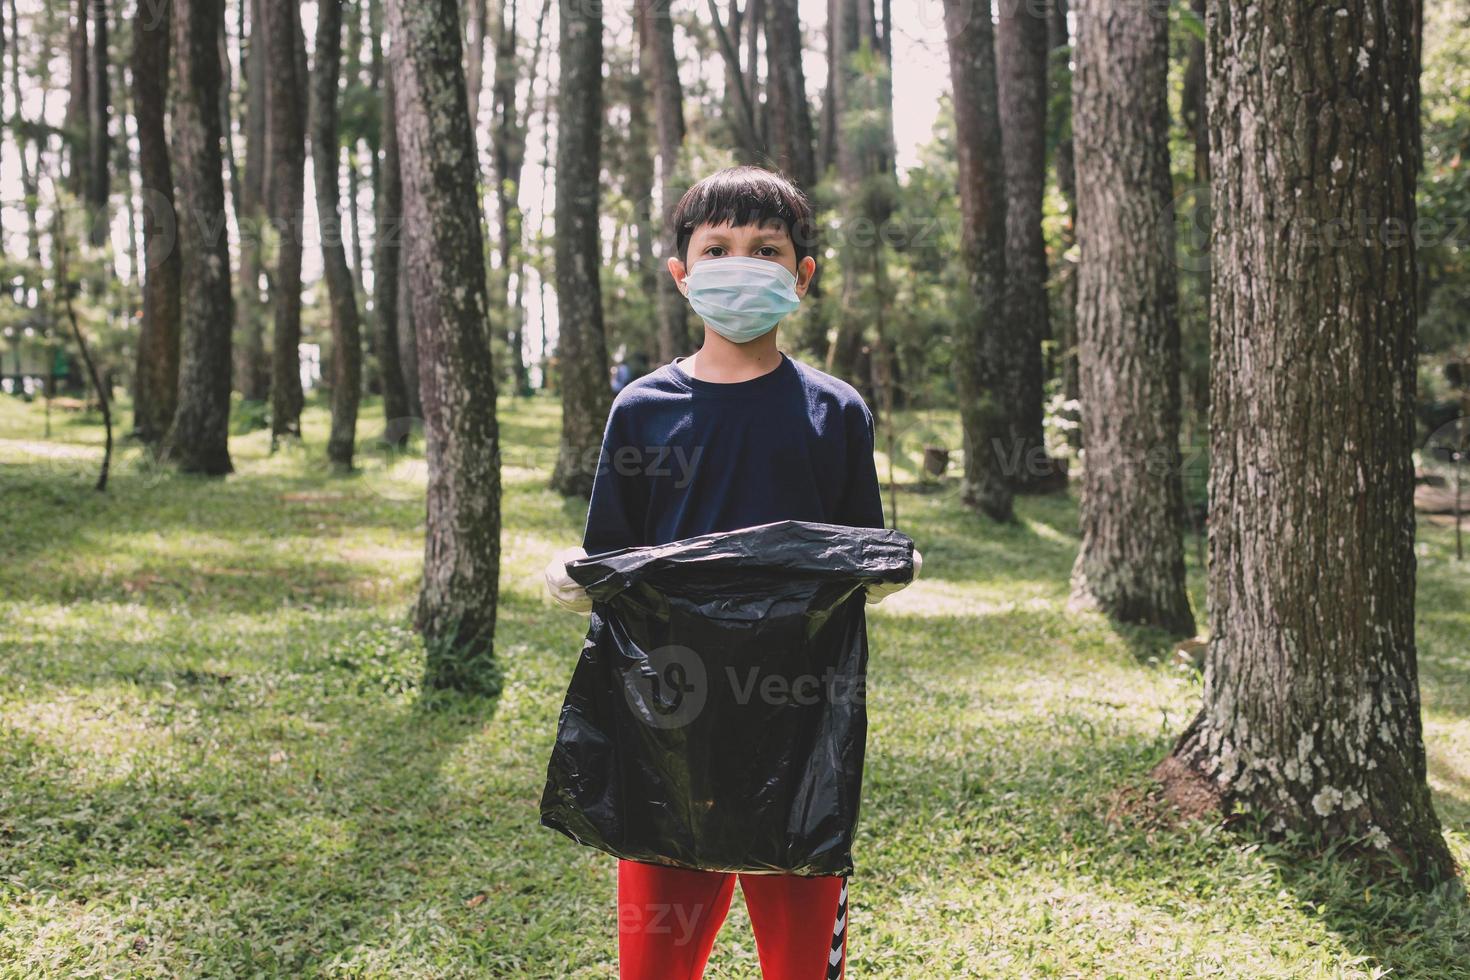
(740, 196)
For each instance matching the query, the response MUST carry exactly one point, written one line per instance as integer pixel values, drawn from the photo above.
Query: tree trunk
(27, 173)
(388, 243)
(99, 141)
(978, 344)
(581, 347)
(656, 36)
(508, 155)
(638, 181)
(285, 189)
(865, 175)
(408, 338)
(1066, 177)
(1131, 563)
(341, 291)
(1311, 711)
(252, 369)
(791, 120)
(78, 118)
(1021, 70)
(199, 437)
(476, 23)
(157, 381)
(457, 605)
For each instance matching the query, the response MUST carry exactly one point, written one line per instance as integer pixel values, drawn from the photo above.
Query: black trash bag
(716, 719)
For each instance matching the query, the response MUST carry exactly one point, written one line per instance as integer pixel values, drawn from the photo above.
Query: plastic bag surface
(716, 718)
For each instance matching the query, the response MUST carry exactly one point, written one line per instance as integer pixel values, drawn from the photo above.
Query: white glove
(879, 591)
(559, 585)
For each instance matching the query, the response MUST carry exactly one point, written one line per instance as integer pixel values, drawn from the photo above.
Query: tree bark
(156, 388)
(99, 141)
(28, 182)
(1021, 68)
(978, 354)
(388, 242)
(408, 339)
(457, 605)
(78, 118)
(1131, 563)
(199, 437)
(285, 190)
(1311, 711)
(656, 34)
(476, 23)
(341, 290)
(582, 351)
(252, 369)
(791, 119)
(638, 175)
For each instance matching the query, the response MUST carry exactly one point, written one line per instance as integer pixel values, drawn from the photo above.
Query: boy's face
(770, 241)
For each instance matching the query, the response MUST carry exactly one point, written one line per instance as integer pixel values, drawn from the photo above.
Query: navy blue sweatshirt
(681, 456)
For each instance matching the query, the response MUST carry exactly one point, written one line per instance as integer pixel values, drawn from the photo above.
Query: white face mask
(741, 298)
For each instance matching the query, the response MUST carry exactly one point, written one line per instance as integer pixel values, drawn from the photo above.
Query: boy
(735, 435)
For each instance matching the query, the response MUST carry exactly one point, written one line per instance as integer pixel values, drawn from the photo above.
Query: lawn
(215, 759)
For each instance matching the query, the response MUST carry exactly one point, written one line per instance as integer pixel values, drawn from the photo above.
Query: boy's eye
(768, 251)
(715, 251)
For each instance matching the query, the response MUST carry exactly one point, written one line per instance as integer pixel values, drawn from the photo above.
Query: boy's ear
(805, 269)
(677, 270)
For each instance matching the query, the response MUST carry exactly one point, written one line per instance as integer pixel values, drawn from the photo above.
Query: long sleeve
(617, 510)
(862, 502)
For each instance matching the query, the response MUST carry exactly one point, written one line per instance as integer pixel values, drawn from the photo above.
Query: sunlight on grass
(215, 758)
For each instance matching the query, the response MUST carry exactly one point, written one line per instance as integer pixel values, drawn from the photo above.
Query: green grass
(215, 759)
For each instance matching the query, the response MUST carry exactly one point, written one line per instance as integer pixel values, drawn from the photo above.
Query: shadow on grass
(1070, 812)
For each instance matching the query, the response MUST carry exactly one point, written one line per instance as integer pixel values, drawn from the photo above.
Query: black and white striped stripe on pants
(836, 963)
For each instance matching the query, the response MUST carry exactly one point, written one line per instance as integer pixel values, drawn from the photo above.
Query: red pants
(668, 918)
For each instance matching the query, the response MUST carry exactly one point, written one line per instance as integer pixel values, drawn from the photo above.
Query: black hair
(740, 196)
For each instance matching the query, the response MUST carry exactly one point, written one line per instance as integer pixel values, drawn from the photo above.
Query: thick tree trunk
(252, 369)
(286, 144)
(656, 33)
(388, 243)
(978, 344)
(341, 291)
(1131, 563)
(457, 605)
(581, 348)
(1021, 68)
(199, 437)
(156, 386)
(99, 140)
(791, 119)
(1311, 709)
